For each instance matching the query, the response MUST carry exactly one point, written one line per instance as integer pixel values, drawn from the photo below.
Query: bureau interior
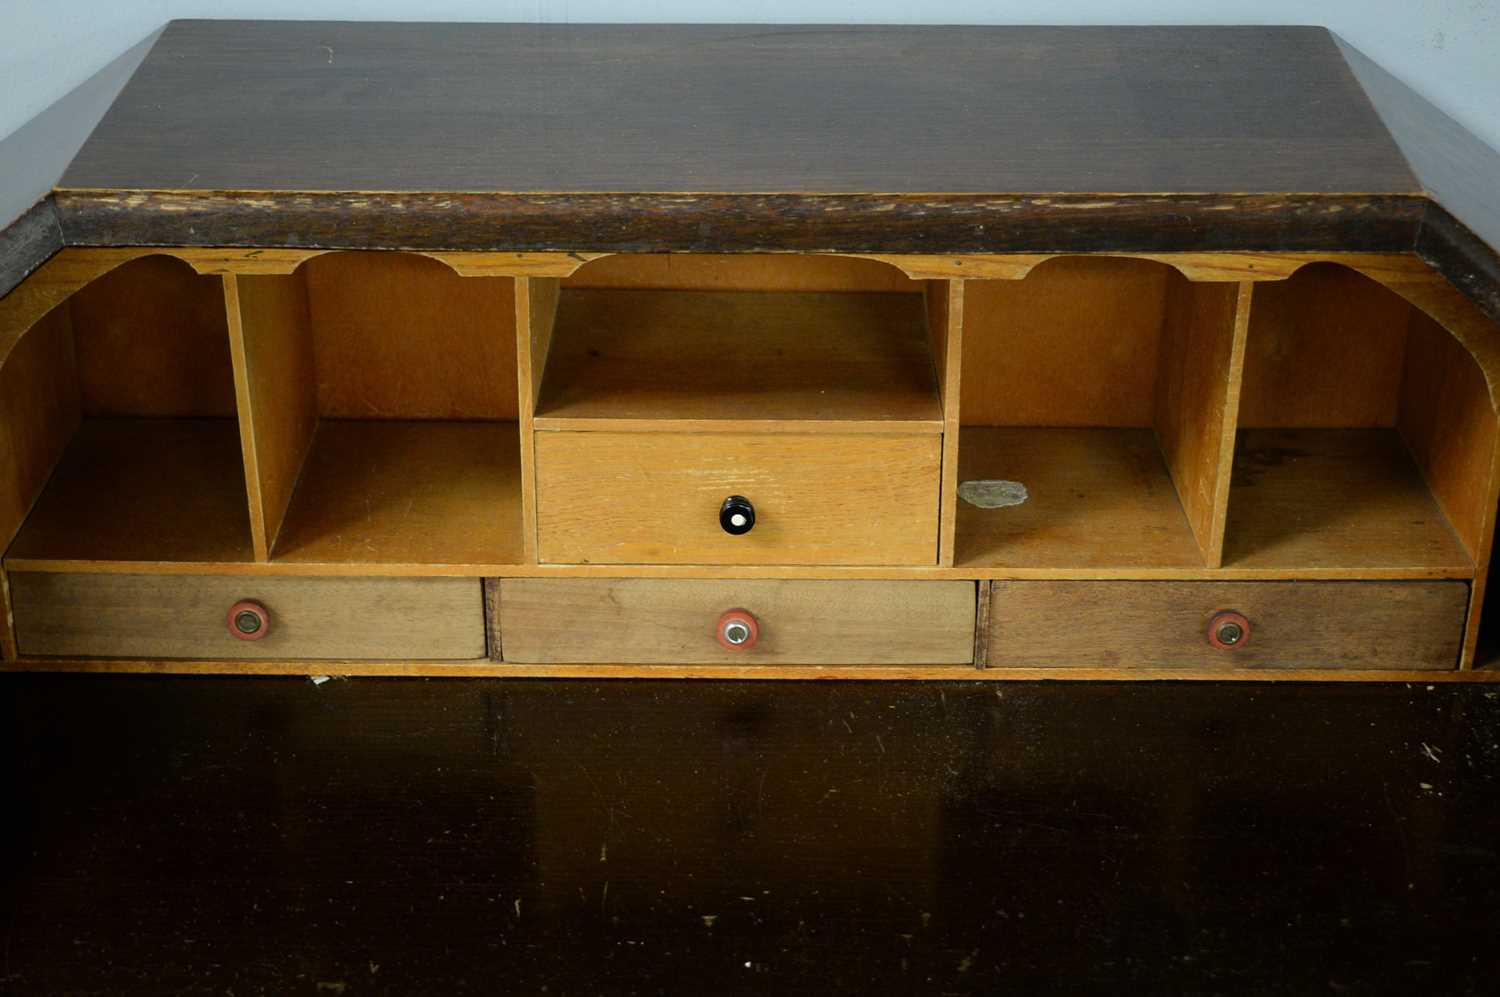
(1094, 407)
(120, 424)
(1366, 434)
(380, 396)
(799, 390)
(735, 343)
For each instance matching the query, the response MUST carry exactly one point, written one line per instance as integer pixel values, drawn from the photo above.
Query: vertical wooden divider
(984, 592)
(1482, 558)
(945, 316)
(1447, 422)
(1198, 398)
(275, 387)
(536, 314)
(40, 410)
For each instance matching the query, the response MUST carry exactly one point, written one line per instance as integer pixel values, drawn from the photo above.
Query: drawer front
(188, 616)
(660, 621)
(1359, 625)
(655, 498)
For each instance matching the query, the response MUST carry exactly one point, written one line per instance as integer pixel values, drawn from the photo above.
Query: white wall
(1448, 50)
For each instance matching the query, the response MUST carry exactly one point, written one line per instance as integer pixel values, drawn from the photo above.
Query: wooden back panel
(39, 412)
(1447, 422)
(152, 340)
(1325, 351)
(1198, 389)
(740, 272)
(400, 336)
(1073, 344)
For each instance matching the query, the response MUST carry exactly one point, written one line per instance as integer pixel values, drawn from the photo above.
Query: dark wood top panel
(310, 106)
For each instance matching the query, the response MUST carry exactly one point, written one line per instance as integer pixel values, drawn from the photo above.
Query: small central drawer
(236, 617)
(1127, 624)
(735, 621)
(724, 498)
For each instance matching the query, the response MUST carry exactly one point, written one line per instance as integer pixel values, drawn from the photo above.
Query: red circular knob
(248, 620)
(737, 630)
(1228, 630)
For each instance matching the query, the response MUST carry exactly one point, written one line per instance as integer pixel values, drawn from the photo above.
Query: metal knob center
(1231, 633)
(736, 632)
(246, 622)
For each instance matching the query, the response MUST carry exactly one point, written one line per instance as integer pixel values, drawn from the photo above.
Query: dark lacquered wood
(1454, 167)
(322, 106)
(878, 139)
(168, 836)
(790, 137)
(27, 243)
(1460, 230)
(1463, 257)
(34, 156)
(748, 222)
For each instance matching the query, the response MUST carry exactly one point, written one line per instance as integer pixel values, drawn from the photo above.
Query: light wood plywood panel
(400, 336)
(39, 411)
(1074, 344)
(1335, 499)
(1197, 399)
(1324, 350)
(740, 272)
(1448, 424)
(407, 492)
(276, 384)
(143, 490)
(1096, 499)
(152, 340)
(740, 361)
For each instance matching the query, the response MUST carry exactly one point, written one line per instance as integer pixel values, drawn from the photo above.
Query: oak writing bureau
(354, 348)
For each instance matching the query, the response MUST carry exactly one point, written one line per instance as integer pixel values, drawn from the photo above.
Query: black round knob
(737, 515)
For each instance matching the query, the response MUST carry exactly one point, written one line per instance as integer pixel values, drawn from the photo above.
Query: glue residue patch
(992, 494)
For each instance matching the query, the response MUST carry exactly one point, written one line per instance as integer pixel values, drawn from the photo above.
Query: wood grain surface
(324, 106)
(740, 361)
(1363, 625)
(1096, 499)
(186, 616)
(661, 621)
(143, 490)
(276, 387)
(823, 498)
(151, 340)
(407, 492)
(1335, 499)
(1303, 368)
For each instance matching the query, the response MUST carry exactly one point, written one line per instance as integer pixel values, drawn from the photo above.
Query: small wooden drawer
(1094, 624)
(657, 498)
(661, 621)
(197, 616)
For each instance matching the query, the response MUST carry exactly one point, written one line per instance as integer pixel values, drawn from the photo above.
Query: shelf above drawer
(737, 361)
